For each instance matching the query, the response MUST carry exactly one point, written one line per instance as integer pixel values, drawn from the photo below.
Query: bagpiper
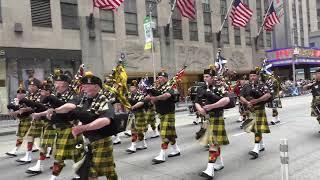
(315, 90)
(35, 130)
(254, 96)
(24, 120)
(62, 122)
(49, 133)
(165, 107)
(216, 99)
(139, 124)
(96, 114)
(273, 82)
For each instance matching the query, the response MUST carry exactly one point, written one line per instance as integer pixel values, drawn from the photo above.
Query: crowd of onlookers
(288, 88)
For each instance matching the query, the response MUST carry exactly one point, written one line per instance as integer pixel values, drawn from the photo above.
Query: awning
(286, 62)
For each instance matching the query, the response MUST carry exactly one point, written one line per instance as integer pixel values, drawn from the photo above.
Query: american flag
(187, 8)
(240, 14)
(107, 4)
(271, 19)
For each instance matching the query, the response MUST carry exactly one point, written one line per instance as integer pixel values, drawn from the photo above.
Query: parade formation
(81, 117)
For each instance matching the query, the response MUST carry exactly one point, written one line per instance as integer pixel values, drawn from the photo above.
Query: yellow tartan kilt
(261, 121)
(49, 136)
(150, 116)
(36, 128)
(140, 122)
(216, 128)
(102, 158)
(66, 145)
(23, 127)
(167, 126)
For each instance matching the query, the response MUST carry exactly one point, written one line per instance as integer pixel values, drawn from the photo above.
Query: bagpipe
(156, 89)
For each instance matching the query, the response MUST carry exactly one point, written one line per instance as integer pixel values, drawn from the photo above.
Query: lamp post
(294, 59)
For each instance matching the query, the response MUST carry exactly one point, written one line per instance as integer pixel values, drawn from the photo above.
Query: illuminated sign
(288, 53)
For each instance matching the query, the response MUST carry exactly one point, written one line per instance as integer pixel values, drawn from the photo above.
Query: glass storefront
(22, 61)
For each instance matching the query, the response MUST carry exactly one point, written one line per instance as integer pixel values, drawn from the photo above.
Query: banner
(148, 33)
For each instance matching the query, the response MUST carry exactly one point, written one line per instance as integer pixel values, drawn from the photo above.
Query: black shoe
(272, 123)
(130, 151)
(262, 149)
(219, 168)
(11, 155)
(75, 178)
(117, 143)
(195, 123)
(127, 134)
(35, 150)
(254, 155)
(202, 174)
(155, 161)
(141, 148)
(23, 162)
(174, 155)
(33, 172)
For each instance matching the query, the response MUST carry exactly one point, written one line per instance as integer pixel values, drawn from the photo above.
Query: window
(177, 24)
(131, 19)
(154, 16)
(312, 44)
(207, 21)
(69, 14)
(308, 16)
(193, 29)
(225, 30)
(268, 39)
(259, 21)
(237, 36)
(41, 13)
(107, 21)
(248, 35)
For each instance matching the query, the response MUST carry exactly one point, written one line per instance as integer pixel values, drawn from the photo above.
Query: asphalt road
(296, 125)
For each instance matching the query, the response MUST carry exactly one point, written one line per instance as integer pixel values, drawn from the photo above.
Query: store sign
(288, 53)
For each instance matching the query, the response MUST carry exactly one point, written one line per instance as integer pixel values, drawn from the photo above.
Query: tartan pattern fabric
(167, 127)
(23, 127)
(36, 128)
(102, 159)
(49, 136)
(261, 125)
(151, 118)
(314, 103)
(66, 145)
(217, 131)
(140, 122)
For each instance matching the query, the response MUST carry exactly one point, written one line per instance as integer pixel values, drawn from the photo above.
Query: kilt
(24, 126)
(216, 128)
(261, 125)
(167, 127)
(66, 145)
(151, 117)
(140, 122)
(36, 128)
(102, 158)
(49, 136)
(315, 103)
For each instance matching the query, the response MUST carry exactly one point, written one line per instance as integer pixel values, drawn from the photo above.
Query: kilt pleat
(217, 131)
(102, 158)
(66, 145)
(49, 136)
(23, 127)
(167, 126)
(140, 122)
(261, 121)
(36, 128)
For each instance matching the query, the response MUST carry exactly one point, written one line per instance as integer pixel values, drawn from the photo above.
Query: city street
(296, 125)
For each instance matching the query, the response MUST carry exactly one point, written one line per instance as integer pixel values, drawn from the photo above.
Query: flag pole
(171, 12)
(264, 19)
(226, 17)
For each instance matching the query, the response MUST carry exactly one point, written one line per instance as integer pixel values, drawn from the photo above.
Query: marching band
(78, 117)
